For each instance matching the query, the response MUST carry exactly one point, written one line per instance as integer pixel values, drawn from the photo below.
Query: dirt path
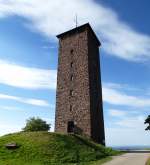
(129, 159)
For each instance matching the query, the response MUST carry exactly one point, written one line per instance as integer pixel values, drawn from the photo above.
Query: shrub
(36, 124)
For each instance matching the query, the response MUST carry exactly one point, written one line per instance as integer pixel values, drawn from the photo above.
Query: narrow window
(71, 78)
(71, 64)
(71, 51)
(71, 108)
(71, 92)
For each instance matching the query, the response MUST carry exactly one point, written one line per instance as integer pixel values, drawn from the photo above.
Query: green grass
(148, 162)
(43, 148)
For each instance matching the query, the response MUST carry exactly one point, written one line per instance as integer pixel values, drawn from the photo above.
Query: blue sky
(28, 62)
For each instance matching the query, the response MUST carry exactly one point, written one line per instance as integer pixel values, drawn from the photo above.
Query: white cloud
(9, 128)
(127, 137)
(134, 122)
(18, 109)
(117, 97)
(118, 38)
(126, 128)
(124, 87)
(10, 108)
(24, 77)
(10, 125)
(117, 113)
(30, 101)
(52, 122)
(127, 119)
(49, 47)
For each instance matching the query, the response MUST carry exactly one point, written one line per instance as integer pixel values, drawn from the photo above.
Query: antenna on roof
(76, 20)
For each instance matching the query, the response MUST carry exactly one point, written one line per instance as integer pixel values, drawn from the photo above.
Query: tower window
(71, 92)
(71, 78)
(71, 64)
(71, 108)
(71, 51)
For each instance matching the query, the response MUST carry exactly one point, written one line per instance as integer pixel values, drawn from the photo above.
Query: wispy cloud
(49, 47)
(118, 38)
(127, 136)
(126, 115)
(10, 108)
(9, 128)
(128, 125)
(19, 109)
(117, 113)
(127, 119)
(25, 77)
(30, 101)
(132, 122)
(50, 121)
(124, 87)
(116, 96)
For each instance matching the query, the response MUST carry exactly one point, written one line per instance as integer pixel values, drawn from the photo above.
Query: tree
(36, 124)
(147, 121)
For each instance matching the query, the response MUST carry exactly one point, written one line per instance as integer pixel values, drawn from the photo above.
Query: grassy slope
(148, 162)
(42, 148)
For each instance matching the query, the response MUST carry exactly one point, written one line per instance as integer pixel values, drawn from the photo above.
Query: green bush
(36, 124)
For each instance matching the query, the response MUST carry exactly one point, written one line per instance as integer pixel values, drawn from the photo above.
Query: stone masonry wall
(79, 93)
(97, 121)
(73, 61)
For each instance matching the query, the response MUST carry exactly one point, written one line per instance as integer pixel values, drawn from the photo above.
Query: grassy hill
(148, 162)
(43, 148)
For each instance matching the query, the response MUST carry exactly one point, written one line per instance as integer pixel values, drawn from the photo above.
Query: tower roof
(79, 29)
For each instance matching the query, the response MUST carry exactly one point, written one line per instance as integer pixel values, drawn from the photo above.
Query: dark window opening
(71, 92)
(71, 51)
(71, 64)
(71, 78)
(71, 108)
(70, 128)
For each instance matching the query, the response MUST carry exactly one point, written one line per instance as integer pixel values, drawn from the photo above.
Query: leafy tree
(36, 124)
(147, 121)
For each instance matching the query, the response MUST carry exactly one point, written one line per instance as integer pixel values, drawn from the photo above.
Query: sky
(29, 56)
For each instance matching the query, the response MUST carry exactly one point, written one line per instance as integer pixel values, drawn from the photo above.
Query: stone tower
(79, 95)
